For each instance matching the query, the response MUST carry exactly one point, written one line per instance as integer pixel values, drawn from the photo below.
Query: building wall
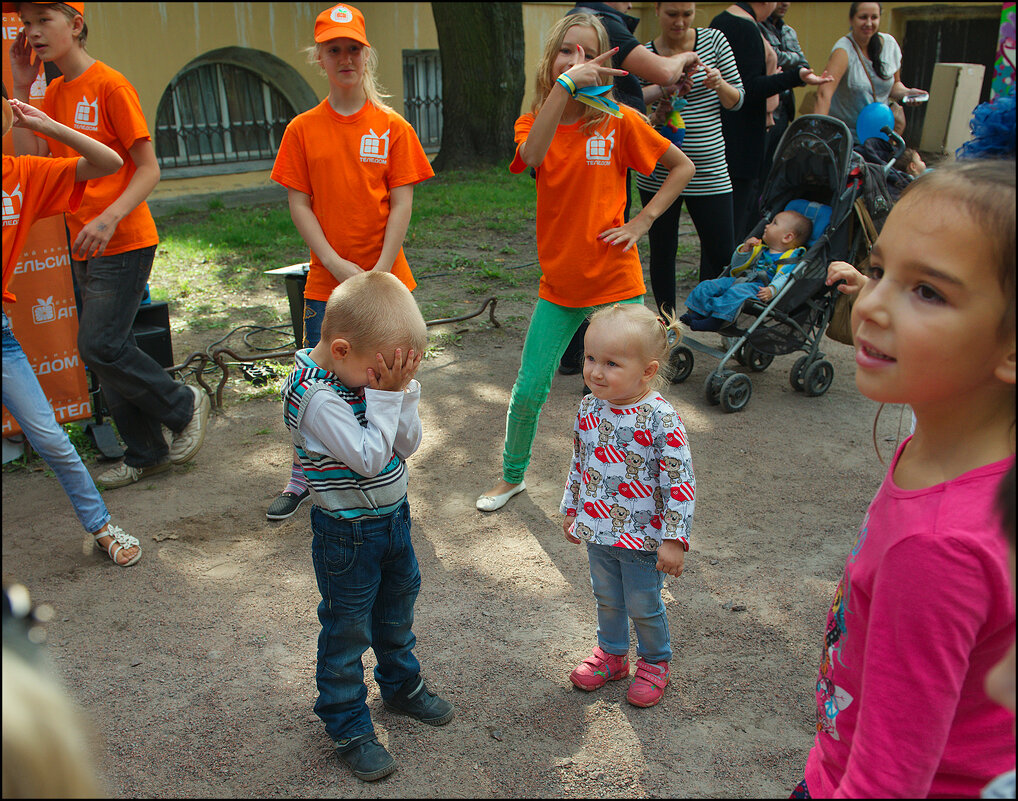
(152, 42)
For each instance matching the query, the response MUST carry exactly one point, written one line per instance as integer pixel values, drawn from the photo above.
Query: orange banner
(44, 319)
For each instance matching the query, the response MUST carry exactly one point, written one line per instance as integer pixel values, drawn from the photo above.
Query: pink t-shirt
(924, 609)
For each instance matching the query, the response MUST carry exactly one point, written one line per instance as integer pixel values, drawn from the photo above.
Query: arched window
(220, 117)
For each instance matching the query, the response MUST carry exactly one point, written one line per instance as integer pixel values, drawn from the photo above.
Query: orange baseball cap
(11, 7)
(341, 21)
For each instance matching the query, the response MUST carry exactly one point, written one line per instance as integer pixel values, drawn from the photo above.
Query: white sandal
(121, 541)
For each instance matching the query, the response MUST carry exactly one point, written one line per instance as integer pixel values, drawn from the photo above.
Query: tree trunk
(481, 47)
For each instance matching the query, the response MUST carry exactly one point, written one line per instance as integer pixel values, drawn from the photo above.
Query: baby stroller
(810, 174)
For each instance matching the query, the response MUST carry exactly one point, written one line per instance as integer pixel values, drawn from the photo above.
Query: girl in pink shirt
(924, 608)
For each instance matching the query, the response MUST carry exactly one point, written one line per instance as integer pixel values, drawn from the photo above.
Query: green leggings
(551, 328)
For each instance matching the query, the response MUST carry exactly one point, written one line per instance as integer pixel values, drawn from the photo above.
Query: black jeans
(712, 219)
(140, 394)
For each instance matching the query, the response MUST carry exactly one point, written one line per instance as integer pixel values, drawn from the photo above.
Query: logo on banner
(12, 207)
(599, 149)
(37, 91)
(341, 14)
(86, 115)
(44, 311)
(375, 148)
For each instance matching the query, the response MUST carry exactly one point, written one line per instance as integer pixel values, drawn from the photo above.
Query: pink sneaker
(598, 669)
(649, 684)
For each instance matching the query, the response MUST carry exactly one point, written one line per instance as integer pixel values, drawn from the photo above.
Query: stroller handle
(899, 148)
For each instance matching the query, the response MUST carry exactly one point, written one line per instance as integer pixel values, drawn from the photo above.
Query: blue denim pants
(721, 297)
(314, 311)
(140, 395)
(627, 585)
(368, 576)
(29, 406)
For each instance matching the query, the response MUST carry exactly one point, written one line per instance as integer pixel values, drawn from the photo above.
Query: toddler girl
(586, 249)
(629, 495)
(924, 608)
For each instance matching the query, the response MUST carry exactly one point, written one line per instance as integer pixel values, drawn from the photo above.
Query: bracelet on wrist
(566, 83)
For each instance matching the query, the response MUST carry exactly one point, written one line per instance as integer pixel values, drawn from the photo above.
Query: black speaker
(151, 330)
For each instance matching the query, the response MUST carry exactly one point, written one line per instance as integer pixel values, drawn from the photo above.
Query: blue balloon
(870, 121)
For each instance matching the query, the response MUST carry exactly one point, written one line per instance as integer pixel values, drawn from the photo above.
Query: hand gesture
(28, 116)
(852, 280)
(23, 71)
(594, 72)
(810, 78)
(93, 239)
(399, 376)
(749, 244)
(765, 293)
(567, 528)
(712, 78)
(626, 235)
(671, 557)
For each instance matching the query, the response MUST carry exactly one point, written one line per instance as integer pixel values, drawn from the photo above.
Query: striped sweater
(352, 444)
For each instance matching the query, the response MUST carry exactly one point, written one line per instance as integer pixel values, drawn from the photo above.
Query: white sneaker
(186, 444)
(124, 474)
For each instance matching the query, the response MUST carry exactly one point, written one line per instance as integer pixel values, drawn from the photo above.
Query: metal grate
(219, 114)
(422, 95)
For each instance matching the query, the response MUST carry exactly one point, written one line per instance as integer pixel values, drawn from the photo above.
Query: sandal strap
(121, 540)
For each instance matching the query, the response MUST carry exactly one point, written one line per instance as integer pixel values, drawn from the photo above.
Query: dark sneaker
(365, 756)
(414, 699)
(286, 504)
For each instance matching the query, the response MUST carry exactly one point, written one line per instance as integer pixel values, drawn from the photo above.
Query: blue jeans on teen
(140, 395)
(627, 585)
(29, 406)
(721, 297)
(368, 576)
(314, 311)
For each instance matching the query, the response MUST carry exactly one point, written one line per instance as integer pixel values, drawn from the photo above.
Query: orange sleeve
(126, 119)
(408, 163)
(521, 131)
(642, 146)
(291, 167)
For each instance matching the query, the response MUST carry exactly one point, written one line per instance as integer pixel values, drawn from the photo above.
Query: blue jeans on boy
(368, 576)
(627, 585)
(140, 395)
(29, 406)
(721, 297)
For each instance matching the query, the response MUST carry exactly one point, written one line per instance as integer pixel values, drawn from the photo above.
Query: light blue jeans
(627, 585)
(29, 406)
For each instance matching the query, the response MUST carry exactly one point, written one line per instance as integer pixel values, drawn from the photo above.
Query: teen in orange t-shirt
(34, 188)
(586, 249)
(349, 165)
(112, 239)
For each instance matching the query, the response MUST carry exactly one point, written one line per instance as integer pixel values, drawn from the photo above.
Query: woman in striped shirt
(708, 196)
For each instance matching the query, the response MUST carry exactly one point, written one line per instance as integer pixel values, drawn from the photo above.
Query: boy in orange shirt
(113, 239)
(34, 188)
(349, 165)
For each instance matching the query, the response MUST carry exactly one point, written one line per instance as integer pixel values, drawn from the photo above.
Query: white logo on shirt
(341, 14)
(599, 149)
(375, 148)
(44, 311)
(38, 87)
(86, 115)
(12, 212)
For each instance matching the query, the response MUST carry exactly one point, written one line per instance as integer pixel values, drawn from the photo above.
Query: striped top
(351, 444)
(704, 142)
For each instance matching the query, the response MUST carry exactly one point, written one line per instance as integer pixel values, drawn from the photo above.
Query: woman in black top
(744, 130)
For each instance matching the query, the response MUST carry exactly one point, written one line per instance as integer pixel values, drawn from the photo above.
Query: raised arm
(662, 70)
(96, 159)
(837, 66)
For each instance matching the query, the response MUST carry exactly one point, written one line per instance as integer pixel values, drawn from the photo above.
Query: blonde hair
(546, 66)
(374, 310)
(373, 90)
(46, 752)
(637, 326)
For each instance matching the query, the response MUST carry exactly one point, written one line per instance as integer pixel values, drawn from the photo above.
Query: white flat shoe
(489, 503)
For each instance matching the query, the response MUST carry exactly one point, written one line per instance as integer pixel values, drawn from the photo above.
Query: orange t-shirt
(102, 104)
(33, 188)
(348, 165)
(581, 192)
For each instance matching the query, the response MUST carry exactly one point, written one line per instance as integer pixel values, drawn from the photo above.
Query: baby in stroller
(759, 268)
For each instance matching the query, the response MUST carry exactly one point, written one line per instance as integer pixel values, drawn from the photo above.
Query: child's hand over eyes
(399, 376)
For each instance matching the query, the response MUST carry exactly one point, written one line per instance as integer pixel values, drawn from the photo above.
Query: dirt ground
(197, 664)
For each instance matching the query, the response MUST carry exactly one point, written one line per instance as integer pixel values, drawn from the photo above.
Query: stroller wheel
(795, 377)
(817, 378)
(754, 359)
(712, 386)
(681, 364)
(735, 392)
